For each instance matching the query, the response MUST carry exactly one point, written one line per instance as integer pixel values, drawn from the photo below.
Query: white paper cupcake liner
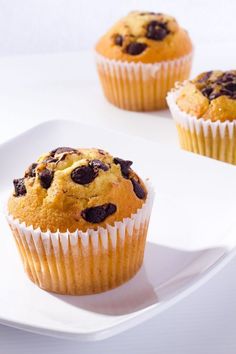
(140, 86)
(214, 139)
(84, 262)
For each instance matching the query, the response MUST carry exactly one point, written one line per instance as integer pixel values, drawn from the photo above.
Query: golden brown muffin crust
(76, 189)
(211, 95)
(145, 36)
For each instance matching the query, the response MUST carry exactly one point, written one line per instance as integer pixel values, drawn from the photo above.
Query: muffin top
(145, 36)
(211, 95)
(76, 189)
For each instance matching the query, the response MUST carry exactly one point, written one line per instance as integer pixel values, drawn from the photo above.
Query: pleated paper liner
(212, 139)
(88, 262)
(138, 86)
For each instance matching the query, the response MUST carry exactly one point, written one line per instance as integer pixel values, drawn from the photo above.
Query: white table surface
(38, 88)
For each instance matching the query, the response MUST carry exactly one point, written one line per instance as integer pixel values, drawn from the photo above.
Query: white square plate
(191, 235)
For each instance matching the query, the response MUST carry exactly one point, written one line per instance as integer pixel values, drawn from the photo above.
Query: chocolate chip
(124, 166)
(207, 91)
(226, 77)
(19, 186)
(204, 77)
(52, 159)
(83, 174)
(86, 174)
(157, 31)
(45, 178)
(225, 92)
(59, 154)
(118, 39)
(31, 170)
(135, 48)
(223, 85)
(102, 152)
(97, 164)
(231, 87)
(222, 92)
(138, 190)
(214, 95)
(61, 150)
(98, 213)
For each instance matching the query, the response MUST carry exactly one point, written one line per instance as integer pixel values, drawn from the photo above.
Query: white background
(43, 26)
(37, 87)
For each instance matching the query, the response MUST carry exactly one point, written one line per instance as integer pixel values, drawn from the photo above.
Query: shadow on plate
(165, 272)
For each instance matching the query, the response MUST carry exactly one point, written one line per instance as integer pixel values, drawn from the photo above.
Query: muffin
(204, 110)
(80, 218)
(140, 58)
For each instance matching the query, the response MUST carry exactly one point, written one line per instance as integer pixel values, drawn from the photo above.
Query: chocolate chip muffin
(205, 113)
(79, 216)
(211, 95)
(140, 58)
